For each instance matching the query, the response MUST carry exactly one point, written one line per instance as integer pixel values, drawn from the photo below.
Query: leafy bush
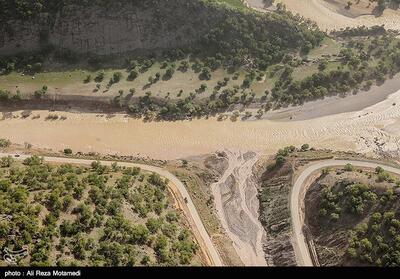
(5, 143)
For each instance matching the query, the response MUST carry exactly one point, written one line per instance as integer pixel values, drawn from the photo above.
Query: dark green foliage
(48, 205)
(38, 94)
(370, 214)
(27, 63)
(236, 34)
(115, 78)
(133, 74)
(5, 95)
(305, 147)
(99, 77)
(156, 180)
(376, 242)
(352, 198)
(265, 37)
(364, 61)
(5, 143)
(169, 73)
(280, 157)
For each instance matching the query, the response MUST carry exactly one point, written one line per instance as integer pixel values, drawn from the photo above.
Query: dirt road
(199, 227)
(300, 186)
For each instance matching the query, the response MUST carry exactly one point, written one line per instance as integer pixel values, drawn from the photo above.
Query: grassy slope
(70, 82)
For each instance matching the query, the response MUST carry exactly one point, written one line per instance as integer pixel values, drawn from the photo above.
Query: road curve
(300, 246)
(212, 251)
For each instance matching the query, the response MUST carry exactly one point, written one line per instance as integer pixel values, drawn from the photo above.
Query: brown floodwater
(119, 134)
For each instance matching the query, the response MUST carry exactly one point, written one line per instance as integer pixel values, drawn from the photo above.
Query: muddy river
(119, 134)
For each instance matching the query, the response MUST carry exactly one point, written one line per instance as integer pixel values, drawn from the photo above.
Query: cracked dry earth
(235, 196)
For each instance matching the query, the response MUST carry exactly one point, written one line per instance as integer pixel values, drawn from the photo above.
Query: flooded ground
(120, 134)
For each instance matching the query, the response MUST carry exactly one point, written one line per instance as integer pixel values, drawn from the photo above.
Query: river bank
(329, 17)
(338, 104)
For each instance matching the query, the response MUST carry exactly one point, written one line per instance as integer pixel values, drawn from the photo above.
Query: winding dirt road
(175, 184)
(300, 186)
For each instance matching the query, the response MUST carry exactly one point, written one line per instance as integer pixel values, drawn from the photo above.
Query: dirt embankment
(335, 241)
(275, 214)
(338, 104)
(82, 104)
(107, 104)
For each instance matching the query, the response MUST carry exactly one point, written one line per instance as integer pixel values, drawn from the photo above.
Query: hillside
(115, 27)
(275, 177)
(352, 214)
(169, 60)
(72, 215)
(106, 27)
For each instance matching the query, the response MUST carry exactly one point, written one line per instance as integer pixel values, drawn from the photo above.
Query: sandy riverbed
(237, 206)
(168, 140)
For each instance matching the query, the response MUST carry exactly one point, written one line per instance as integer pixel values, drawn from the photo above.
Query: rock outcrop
(114, 28)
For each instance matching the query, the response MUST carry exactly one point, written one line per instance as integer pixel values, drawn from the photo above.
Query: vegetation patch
(358, 217)
(242, 59)
(69, 215)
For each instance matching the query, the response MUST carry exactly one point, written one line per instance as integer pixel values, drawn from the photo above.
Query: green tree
(4, 143)
(6, 162)
(280, 160)
(348, 167)
(305, 147)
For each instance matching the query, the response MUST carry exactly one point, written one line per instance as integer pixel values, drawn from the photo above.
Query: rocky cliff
(111, 28)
